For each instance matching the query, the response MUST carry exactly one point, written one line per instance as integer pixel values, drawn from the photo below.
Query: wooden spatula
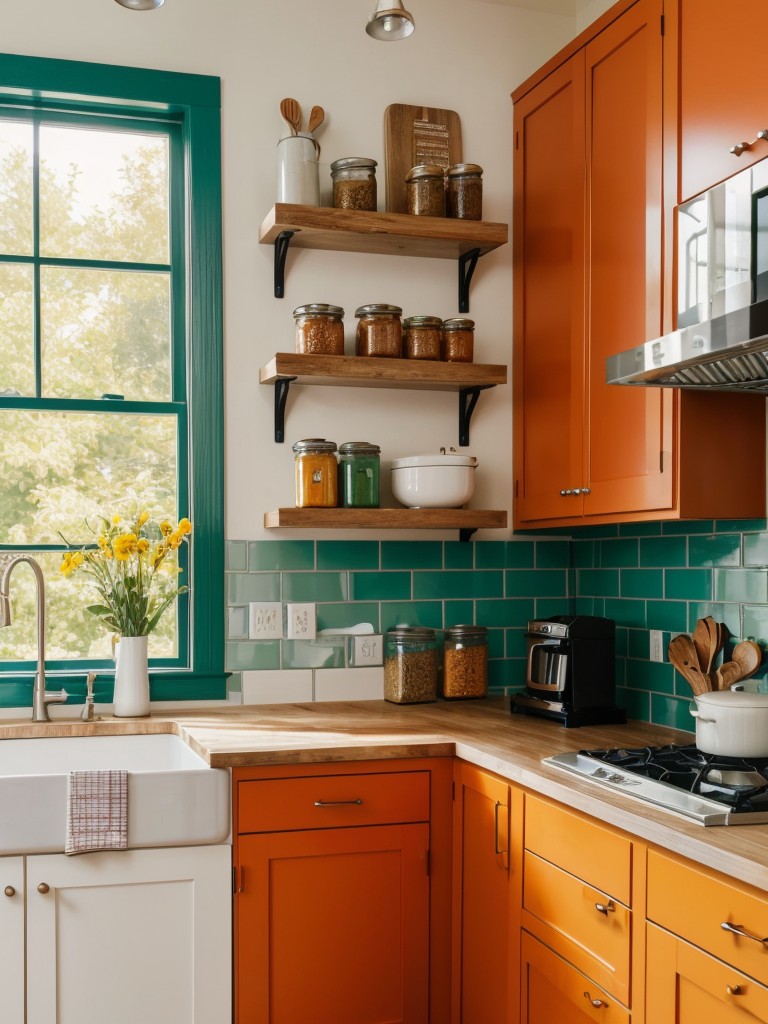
(291, 112)
(701, 642)
(316, 118)
(682, 654)
(747, 655)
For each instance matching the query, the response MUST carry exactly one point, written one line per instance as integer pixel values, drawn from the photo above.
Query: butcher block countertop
(483, 733)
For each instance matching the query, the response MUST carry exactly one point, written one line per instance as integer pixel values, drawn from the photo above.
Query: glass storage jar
(379, 331)
(465, 662)
(425, 190)
(317, 473)
(359, 474)
(319, 329)
(458, 340)
(421, 337)
(354, 183)
(411, 659)
(464, 192)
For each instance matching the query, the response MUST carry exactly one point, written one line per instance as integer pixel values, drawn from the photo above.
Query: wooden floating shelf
(395, 234)
(466, 520)
(370, 372)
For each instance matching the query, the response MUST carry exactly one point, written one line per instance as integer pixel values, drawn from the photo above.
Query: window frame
(192, 104)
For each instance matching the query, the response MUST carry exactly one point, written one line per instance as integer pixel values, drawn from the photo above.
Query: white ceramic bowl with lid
(446, 480)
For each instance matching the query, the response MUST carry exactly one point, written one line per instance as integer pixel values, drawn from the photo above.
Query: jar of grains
(411, 659)
(359, 474)
(354, 183)
(465, 662)
(379, 330)
(317, 473)
(425, 190)
(421, 337)
(319, 329)
(464, 196)
(458, 340)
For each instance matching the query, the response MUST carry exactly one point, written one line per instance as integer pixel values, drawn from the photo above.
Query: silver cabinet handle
(586, 490)
(737, 929)
(337, 803)
(566, 493)
(606, 908)
(595, 1002)
(763, 134)
(43, 888)
(577, 490)
(9, 890)
(734, 990)
(740, 147)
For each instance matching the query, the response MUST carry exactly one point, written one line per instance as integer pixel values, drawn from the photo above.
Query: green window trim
(193, 102)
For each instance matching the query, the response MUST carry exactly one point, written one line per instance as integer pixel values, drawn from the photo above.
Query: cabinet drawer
(694, 903)
(597, 855)
(332, 801)
(565, 912)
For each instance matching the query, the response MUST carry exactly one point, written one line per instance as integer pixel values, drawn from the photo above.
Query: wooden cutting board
(416, 135)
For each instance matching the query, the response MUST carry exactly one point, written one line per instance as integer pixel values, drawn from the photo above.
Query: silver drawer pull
(337, 803)
(595, 1002)
(737, 929)
(734, 990)
(606, 908)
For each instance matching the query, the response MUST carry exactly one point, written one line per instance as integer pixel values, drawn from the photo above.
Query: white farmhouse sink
(174, 798)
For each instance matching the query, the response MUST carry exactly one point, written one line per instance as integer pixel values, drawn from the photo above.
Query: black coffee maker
(571, 671)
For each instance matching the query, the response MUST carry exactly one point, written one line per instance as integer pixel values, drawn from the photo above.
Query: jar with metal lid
(421, 337)
(359, 474)
(411, 660)
(317, 473)
(465, 662)
(354, 183)
(464, 191)
(379, 330)
(319, 329)
(425, 190)
(458, 340)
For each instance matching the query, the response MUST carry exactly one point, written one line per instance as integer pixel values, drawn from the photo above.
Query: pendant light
(140, 5)
(390, 21)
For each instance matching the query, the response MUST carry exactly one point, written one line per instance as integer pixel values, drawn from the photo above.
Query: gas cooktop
(706, 788)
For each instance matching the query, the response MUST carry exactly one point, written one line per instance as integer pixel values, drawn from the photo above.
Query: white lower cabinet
(136, 936)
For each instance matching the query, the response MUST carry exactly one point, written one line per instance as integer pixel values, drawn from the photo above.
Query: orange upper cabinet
(716, 65)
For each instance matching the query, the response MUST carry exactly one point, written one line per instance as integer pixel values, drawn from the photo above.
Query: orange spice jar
(317, 473)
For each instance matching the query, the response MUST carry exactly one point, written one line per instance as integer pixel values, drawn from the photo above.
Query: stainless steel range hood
(727, 353)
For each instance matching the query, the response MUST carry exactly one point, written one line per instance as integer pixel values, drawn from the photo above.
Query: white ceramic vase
(131, 677)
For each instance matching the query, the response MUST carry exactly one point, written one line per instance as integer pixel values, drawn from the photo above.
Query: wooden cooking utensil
(682, 654)
(728, 674)
(291, 112)
(747, 655)
(702, 645)
(316, 118)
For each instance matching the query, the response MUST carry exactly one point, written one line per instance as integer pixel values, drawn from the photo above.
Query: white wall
(466, 55)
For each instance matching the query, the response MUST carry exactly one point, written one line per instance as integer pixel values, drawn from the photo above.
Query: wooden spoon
(728, 674)
(291, 112)
(682, 654)
(316, 118)
(747, 656)
(702, 645)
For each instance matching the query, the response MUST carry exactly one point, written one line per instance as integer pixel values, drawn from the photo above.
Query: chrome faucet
(40, 697)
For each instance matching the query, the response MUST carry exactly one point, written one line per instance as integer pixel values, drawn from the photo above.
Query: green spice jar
(359, 474)
(411, 659)
(465, 662)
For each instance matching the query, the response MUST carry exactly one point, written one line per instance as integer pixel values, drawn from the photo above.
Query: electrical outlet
(265, 620)
(367, 650)
(300, 621)
(657, 645)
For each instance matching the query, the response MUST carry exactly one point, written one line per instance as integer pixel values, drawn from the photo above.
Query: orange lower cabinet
(554, 992)
(333, 926)
(486, 914)
(687, 986)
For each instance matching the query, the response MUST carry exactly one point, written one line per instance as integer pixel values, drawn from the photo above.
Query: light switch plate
(366, 650)
(265, 620)
(300, 621)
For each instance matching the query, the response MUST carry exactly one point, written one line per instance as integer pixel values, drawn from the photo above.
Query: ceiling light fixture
(390, 22)
(140, 5)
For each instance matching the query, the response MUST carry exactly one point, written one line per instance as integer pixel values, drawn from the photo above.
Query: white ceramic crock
(434, 481)
(732, 723)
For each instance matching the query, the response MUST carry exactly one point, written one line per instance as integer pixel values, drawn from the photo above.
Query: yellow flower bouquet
(133, 568)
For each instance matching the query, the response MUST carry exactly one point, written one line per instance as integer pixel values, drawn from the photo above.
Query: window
(110, 334)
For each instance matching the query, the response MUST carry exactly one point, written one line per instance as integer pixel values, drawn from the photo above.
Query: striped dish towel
(97, 811)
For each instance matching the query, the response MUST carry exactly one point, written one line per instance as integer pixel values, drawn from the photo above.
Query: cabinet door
(720, 65)
(12, 940)
(554, 992)
(138, 936)
(548, 236)
(485, 949)
(686, 986)
(333, 926)
(627, 429)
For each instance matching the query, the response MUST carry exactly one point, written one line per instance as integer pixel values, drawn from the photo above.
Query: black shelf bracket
(467, 264)
(465, 532)
(467, 401)
(281, 397)
(281, 251)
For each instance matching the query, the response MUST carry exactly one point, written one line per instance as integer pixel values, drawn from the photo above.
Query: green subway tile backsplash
(663, 552)
(715, 550)
(315, 586)
(342, 554)
(280, 554)
(688, 583)
(458, 584)
(380, 586)
(396, 554)
(756, 549)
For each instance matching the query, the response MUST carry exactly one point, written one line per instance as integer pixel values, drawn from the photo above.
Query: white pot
(434, 481)
(732, 723)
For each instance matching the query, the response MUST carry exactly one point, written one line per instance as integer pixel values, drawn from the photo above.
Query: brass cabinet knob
(9, 890)
(733, 990)
(43, 888)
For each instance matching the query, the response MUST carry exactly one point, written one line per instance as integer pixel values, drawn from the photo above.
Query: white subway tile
(349, 684)
(277, 687)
